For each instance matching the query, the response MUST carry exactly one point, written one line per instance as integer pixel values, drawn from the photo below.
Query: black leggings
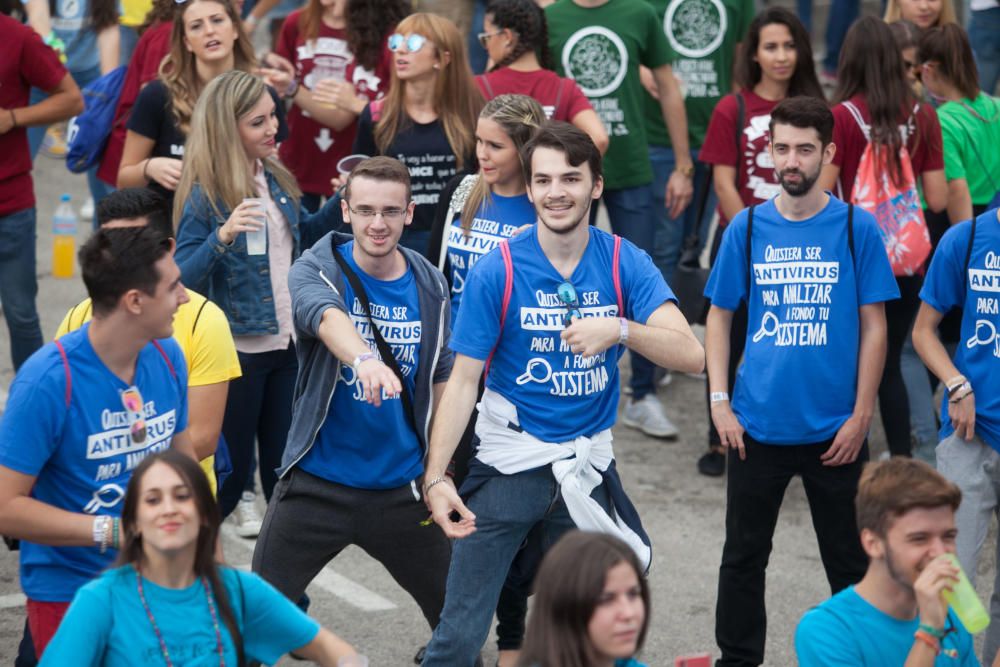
(893, 403)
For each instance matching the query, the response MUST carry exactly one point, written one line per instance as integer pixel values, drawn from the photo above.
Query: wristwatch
(360, 359)
(686, 171)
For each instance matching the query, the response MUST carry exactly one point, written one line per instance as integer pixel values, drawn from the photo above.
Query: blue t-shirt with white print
(798, 380)
(977, 293)
(497, 219)
(73, 25)
(82, 456)
(360, 445)
(559, 395)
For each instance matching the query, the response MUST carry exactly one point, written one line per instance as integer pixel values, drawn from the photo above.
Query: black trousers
(754, 493)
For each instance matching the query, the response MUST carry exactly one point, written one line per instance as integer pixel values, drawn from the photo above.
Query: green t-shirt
(702, 35)
(971, 139)
(602, 48)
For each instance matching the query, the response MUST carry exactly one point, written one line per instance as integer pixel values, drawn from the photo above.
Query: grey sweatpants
(974, 467)
(310, 520)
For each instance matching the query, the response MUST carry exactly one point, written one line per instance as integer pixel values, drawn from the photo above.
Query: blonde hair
(947, 15)
(519, 116)
(179, 73)
(457, 98)
(214, 156)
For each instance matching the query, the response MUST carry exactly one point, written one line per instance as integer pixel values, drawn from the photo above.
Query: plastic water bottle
(964, 601)
(64, 225)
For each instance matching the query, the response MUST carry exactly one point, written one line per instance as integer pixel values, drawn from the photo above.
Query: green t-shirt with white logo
(971, 133)
(702, 36)
(602, 48)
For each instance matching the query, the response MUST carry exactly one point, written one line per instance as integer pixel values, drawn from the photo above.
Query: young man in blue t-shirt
(895, 614)
(550, 313)
(814, 280)
(85, 410)
(965, 273)
(355, 456)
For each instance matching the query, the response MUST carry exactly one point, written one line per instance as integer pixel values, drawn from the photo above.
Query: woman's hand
(245, 218)
(337, 94)
(277, 72)
(164, 170)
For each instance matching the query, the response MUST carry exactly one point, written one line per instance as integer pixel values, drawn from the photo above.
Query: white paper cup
(257, 240)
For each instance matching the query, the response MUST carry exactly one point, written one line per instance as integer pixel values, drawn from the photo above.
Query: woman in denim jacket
(232, 186)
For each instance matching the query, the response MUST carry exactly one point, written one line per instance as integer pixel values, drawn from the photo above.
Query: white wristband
(718, 396)
(623, 331)
(99, 529)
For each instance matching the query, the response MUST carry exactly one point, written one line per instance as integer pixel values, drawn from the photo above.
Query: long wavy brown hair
(368, 22)
(178, 70)
(456, 96)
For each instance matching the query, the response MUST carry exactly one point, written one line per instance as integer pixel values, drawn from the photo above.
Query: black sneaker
(712, 464)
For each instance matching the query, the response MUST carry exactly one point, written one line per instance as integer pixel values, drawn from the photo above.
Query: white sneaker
(87, 210)
(246, 517)
(648, 415)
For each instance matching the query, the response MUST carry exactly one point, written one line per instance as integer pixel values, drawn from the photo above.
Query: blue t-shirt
(558, 395)
(72, 24)
(978, 294)
(798, 380)
(106, 626)
(360, 445)
(848, 631)
(82, 457)
(497, 219)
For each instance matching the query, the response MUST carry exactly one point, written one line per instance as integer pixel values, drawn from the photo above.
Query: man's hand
(847, 442)
(729, 427)
(680, 190)
(939, 576)
(963, 416)
(374, 376)
(591, 335)
(442, 499)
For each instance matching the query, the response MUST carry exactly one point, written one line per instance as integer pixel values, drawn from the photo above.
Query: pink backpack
(896, 208)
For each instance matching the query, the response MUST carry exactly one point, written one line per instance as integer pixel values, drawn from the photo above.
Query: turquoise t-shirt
(602, 48)
(106, 626)
(848, 631)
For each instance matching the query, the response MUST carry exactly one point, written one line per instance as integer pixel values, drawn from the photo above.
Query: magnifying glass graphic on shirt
(977, 339)
(768, 327)
(531, 372)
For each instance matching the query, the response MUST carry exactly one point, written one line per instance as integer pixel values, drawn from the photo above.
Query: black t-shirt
(152, 118)
(424, 149)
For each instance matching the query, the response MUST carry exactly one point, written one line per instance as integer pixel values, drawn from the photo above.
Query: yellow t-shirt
(133, 12)
(202, 331)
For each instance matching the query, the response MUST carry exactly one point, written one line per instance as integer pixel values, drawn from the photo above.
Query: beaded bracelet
(115, 523)
(932, 631)
(928, 639)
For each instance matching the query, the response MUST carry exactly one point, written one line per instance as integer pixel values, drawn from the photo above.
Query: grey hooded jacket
(316, 284)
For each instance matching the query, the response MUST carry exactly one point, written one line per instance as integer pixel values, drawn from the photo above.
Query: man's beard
(800, 188)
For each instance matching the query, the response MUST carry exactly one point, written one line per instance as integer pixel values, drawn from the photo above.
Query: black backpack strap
(749, 259)
(383, 348)
(968, 252)
(198, 315)
(850, 230)
(741, 107)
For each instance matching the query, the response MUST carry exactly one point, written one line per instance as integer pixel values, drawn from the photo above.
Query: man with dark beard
(814, 275)
(895, 615)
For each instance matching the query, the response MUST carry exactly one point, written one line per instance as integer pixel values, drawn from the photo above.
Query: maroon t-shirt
(925, 146)
(755, 177)
(25, 62)
(561, 99)
(312, 150)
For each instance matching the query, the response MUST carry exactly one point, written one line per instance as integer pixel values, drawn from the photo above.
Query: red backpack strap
(508, 288)
(616, 273)
(163, 353)
(69, 376)
(375, 108)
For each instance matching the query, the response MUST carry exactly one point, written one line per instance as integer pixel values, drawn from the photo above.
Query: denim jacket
(238, 283)
(317, 284)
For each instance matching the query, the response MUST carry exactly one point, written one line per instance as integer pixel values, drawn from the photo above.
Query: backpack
(897, 209)
(88, 133)
(508, 288)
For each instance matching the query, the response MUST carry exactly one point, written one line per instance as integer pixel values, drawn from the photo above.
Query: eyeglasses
(369, 213)
(132, 402)
(413, 41)
(567, 294)
(484, 37)
(911, 66)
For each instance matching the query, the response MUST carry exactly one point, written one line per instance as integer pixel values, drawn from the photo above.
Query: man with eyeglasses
(548, 315)
(85, 410)
(352, 468)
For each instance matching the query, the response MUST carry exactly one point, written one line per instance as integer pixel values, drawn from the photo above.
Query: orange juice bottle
(64, 225)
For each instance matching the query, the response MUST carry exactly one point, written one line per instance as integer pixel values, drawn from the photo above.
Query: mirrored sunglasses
(414, 42)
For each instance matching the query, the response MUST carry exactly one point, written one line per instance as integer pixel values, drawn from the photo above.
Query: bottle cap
(65, 197)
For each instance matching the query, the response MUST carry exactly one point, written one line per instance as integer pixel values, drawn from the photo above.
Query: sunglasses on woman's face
(413, 41)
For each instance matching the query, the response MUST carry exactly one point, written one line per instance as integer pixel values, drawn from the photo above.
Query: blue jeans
(630, 211)
(842, 14)
(669, 235)
(98, 188)
(506, 509)
(984, 35)
(18, 283)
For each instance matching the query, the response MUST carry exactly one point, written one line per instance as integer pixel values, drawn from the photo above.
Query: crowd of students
(283, 244)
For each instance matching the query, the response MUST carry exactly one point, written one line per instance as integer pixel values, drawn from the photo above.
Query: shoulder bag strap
(383, 348)
(968, 253)
(616, 275)
(69, 375)
(508, 288)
